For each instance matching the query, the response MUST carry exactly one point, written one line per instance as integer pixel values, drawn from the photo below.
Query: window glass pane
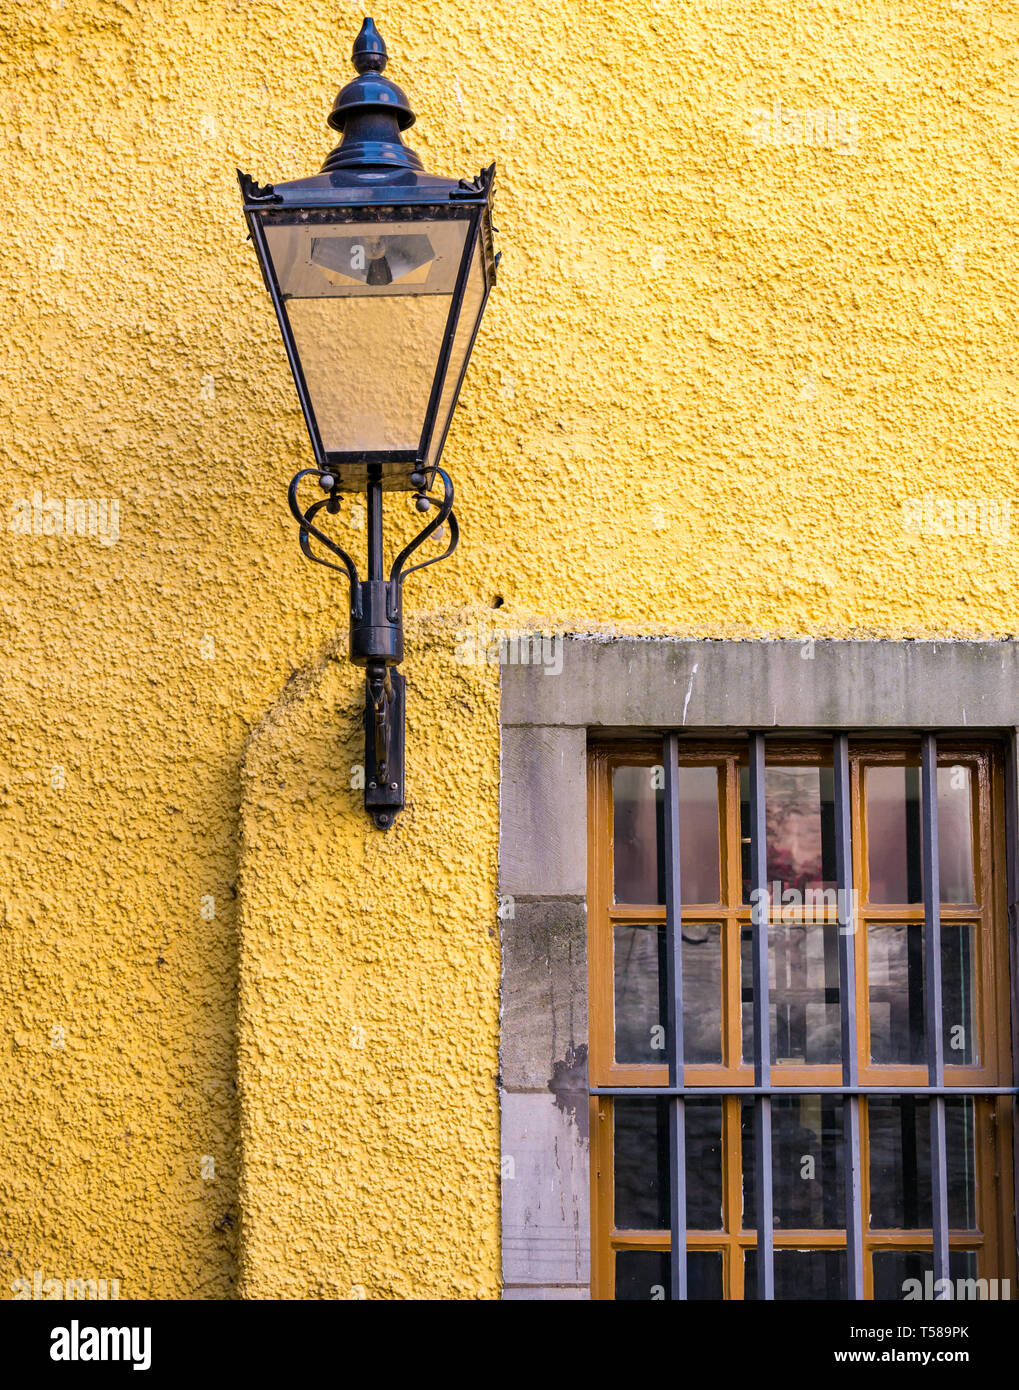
(639, 834)
(642, 1164)
(958, 991)
(900, 1163)
(642, 1275)
(646, 1274)
(806, 1148)
(902, 1273)
(800, 1274)
(704, 1275)
(893, 834)
(638, 828)
(698, 834)
(639, 984)
(702, 992)
(897, 991)
(895, 981)
(803, 993)
(799, 807)
(894, 853)
(955, 834)
(704, 1165)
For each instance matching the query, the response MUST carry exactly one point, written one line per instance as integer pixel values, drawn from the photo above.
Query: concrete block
(544, 990)
(546, 1228)
(543, 812)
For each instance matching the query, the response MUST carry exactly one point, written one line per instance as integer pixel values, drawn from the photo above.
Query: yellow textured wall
(714, 369)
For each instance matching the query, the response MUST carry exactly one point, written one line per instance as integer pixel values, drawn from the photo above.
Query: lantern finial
(371, 111)
(369, 53)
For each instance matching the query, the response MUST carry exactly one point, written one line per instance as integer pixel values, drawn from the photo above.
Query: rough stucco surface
(369, 997)
(711, 374)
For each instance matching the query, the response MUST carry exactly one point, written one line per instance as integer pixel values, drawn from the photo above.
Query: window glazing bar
(674, 1022)
(933, 1001)
(762, 1024)
(853, 1159)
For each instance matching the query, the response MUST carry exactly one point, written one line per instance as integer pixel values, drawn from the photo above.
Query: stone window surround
(636, 686)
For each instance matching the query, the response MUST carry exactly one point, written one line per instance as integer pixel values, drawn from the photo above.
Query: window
(854, 1132)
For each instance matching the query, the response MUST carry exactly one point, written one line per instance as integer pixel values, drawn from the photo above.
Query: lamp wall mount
(376, 618)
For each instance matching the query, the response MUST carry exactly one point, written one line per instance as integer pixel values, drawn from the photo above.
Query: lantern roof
(371, 164)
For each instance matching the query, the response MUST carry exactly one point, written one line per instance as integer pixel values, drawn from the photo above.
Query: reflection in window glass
(639, 834)
(893, 834)
(799, 807)
(800, 1274)
(897, 991)
(639, 973)
(803, 993)
(955, 834)
(894, 844)
(806, 1147)
(698, 834)
(898, 1272)
(639, 977)
(638, 830)
(900, 1163)
(646, 1274)
(702, 992)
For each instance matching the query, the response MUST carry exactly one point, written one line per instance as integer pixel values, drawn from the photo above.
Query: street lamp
(379, 274)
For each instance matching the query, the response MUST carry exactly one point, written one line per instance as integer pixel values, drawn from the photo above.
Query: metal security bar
(1012, 895)
(850, 1090)
(674, 1021)
(763, 1177)
(847, 990)
(934, 1015)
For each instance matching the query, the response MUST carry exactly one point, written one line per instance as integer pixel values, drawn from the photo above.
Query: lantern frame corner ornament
(369, 263)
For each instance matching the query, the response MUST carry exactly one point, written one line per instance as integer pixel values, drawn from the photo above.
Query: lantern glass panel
(368, 305)
(470, 315)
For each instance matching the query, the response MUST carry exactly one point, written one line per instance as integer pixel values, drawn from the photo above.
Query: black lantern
(379, 274)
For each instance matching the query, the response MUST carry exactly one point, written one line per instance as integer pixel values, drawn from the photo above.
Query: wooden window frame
(993, 1115)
